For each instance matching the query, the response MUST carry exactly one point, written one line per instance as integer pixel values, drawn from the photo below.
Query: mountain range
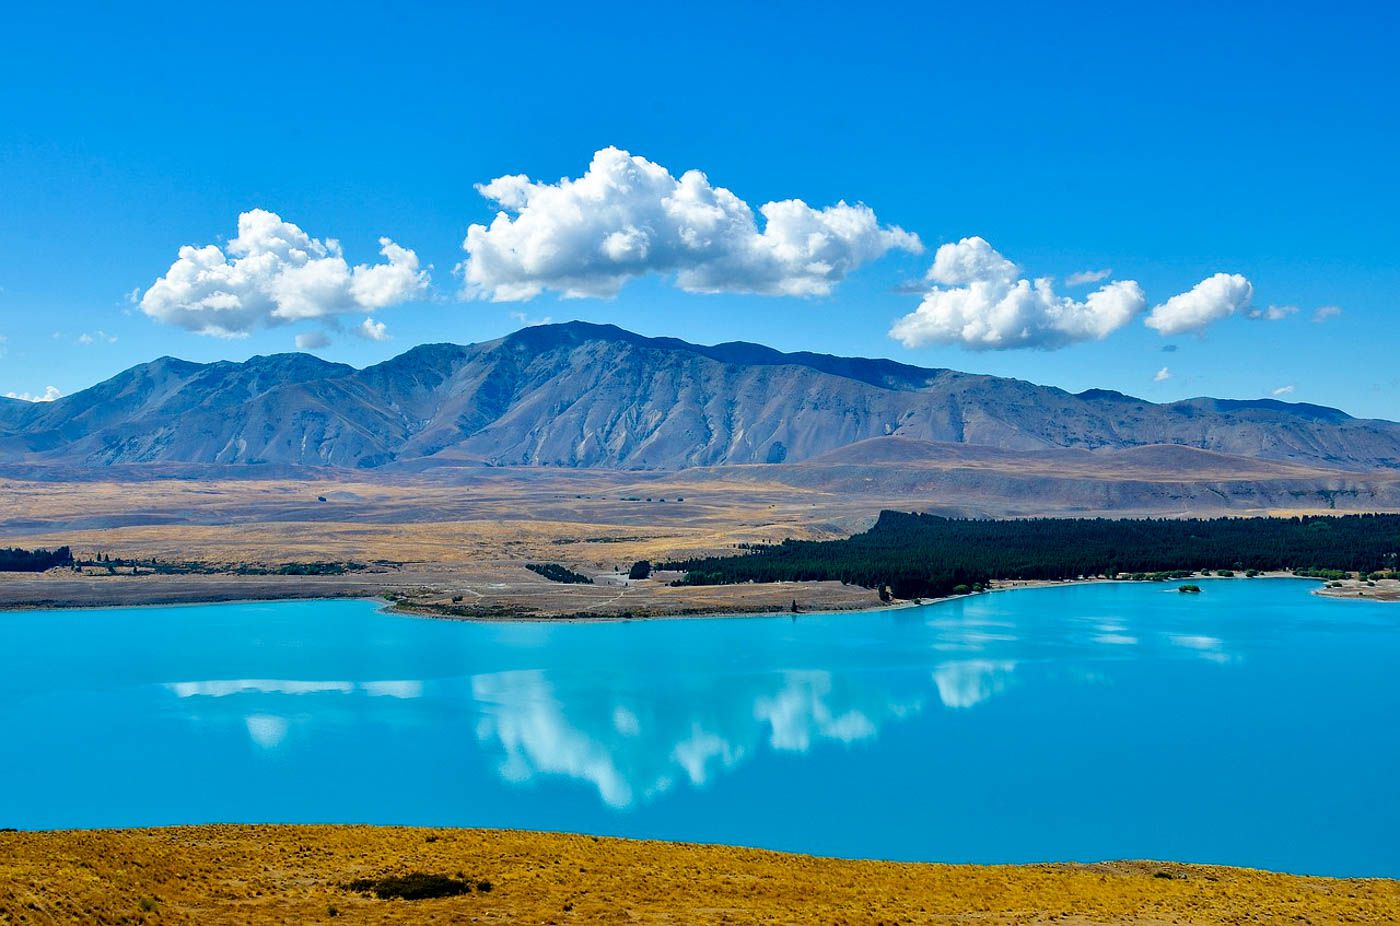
(584, 395)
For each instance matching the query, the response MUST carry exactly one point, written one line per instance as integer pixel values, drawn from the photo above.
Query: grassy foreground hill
(258, 875)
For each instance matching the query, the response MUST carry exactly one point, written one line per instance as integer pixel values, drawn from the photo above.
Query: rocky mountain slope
(578, 394)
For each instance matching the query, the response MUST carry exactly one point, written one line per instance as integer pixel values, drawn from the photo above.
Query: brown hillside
(257, 875)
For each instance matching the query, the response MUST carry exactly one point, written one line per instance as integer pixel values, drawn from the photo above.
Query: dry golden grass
(586, 517)
(468, 539)
(474, 516)
(258, 875)
(457, 534)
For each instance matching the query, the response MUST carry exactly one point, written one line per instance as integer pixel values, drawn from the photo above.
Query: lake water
(1254, 724)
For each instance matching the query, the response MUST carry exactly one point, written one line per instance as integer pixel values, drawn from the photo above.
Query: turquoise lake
(1254, 724)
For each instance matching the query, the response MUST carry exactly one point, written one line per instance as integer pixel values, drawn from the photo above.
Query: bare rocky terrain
(583, 395)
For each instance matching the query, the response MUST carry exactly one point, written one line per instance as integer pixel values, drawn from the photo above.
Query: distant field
(261, 875)
(469, 531)
(456, 514)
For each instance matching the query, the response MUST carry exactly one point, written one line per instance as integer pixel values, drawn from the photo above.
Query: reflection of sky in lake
(637, 751)
(1249, 724)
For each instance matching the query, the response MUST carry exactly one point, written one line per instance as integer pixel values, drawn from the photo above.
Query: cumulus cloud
(48, 395)
(1274, 313)
(1088, 276)
(313, 340)
(1326, 312)
(1212, 299)
(273, 273)
(1284, 390)
(1162, 376)
(373, 330)
(980, 301)
(627, 217)
(526, 321)
(97, 337)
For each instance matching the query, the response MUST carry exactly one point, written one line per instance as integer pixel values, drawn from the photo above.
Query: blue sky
(1168, 143)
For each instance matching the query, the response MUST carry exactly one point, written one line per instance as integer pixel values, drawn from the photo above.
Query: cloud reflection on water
(266, 730)
(632, 745)
(630, 755)
(968, 682)
(224, 687)
(1211, 648)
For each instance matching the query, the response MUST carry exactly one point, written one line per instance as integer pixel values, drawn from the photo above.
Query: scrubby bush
(557, 573)
(414, 886)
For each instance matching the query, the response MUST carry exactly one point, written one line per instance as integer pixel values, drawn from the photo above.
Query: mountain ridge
(581, 394)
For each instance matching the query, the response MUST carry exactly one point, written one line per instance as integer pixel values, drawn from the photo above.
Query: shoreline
(397, 607)
(258, 875)
(586, 618)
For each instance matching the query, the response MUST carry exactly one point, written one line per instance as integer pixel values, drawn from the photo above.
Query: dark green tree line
(13, 559)
(928, 556)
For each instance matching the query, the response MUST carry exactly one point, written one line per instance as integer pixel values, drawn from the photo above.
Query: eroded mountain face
(588, 395)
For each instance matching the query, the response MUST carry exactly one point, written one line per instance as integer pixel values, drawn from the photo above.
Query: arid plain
(458, 538)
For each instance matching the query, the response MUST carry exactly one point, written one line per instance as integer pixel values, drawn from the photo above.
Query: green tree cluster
(919, 555)
(13, 559)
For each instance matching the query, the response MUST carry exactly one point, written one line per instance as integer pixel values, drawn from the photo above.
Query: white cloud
(627, 217)
(1213, 298)
(313, 340)
(980, 302)
(527, 322)
(97, 337)
(373, 330)
(1162, 376)
(273, 273)
(1088, 276)
(1326, 312)
(1285, 390)
(48, 395)
(1274, 313)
